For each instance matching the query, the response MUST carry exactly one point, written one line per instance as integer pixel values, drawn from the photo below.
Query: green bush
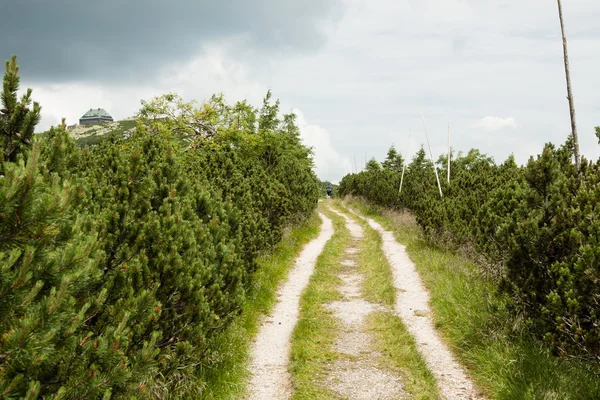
(46, 272)
(539, 223)
(170, 263)
(546, 231)
(122, 260)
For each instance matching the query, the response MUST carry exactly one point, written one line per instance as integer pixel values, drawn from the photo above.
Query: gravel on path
(412, 305)
(271, 348)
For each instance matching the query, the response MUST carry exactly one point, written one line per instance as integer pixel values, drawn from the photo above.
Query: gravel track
(412, 305)
(271, 348)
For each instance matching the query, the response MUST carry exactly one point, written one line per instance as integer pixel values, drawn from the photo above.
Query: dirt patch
(354, 343)
(358, 381)
(351, 286)
(353, 312)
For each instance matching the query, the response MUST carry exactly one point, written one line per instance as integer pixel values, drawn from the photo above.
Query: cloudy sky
(359, 73)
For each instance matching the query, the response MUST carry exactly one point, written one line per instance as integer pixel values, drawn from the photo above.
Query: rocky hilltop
(86, 135)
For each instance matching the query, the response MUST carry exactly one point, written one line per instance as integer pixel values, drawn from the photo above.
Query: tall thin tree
(569, 91)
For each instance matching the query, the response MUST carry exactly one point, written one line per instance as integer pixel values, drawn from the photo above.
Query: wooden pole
(404, 163)
(355, 167)
(569, 92)
(448, 152)
(431, 155)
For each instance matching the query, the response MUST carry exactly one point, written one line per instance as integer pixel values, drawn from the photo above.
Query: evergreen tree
(172, 269)
(536, 225)
(59, 154)
(267, 119)
(373, 165)
(47, 269)
(17, 120)
(290, 128)
(121, 261)
(393, 160)
(244, 117)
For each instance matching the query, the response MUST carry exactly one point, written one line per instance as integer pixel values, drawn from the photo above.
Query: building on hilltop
(95, 116)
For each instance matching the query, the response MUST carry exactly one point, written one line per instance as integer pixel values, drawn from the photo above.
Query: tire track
(357, 374)
(271, 348)
(412, 305)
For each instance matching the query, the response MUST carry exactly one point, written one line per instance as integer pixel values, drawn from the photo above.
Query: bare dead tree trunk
(569, 92)
(437, 177)
(449, 152)
(404, 163)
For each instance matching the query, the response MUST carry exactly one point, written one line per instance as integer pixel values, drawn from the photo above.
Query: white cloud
(490, 123)
(213, 72)
(328, 162)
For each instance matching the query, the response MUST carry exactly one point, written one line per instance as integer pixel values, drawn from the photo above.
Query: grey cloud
(384, 64)
(128, 40)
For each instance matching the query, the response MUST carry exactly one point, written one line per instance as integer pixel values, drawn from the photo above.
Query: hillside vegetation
(122, 261)
(86, 135)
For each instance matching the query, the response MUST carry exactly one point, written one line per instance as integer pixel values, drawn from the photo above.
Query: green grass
(227, 376)
(316, 331)
(400, 355)
(378, 286)
(392, 340)
(504, 361)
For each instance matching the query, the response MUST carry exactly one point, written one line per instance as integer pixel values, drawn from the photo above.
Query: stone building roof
(94, 113)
